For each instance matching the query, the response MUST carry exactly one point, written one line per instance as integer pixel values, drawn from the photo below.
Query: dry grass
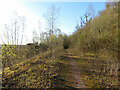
(92, 71)
(36, 72)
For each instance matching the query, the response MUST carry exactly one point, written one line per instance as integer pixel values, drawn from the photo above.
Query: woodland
(58, 60)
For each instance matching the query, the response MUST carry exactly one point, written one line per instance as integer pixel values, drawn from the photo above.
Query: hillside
(89, 58)
(35, 72)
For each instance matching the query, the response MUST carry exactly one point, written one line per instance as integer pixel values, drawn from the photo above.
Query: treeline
(100, 34)
(52, 40)
(98, 37)
(95, 35)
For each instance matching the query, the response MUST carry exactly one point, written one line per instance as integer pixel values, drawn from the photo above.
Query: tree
(13, 33)
(81, 22)
(52, 35)
(40, 32)
(66, 42)
(23, 27)
(111, 3)
(52, 16)
(12, 36)
(35, 37)
(90, 12)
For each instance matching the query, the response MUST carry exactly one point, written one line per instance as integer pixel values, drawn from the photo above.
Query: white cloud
(7, 9)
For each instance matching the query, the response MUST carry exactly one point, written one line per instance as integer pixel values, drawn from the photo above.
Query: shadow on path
(71, 71)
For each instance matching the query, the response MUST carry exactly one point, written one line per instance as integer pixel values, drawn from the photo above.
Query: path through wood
(76, 72)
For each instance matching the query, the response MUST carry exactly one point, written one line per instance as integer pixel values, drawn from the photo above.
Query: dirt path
(76, 72)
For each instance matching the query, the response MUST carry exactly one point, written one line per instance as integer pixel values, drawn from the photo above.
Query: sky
(70, 13)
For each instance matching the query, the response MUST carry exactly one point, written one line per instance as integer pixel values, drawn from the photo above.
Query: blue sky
(70, 12)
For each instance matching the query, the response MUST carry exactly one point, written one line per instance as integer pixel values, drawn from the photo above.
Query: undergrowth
(92, 71)
(36, 72)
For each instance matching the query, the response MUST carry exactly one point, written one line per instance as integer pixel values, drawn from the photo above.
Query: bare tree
(23, 27)
(35, 36)
(52, 21)
(40, 31)
(91, 10)
(90, 13)
(81, 22)
(52, 16)
(111, 3)
(13, 32)
(7, 33)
